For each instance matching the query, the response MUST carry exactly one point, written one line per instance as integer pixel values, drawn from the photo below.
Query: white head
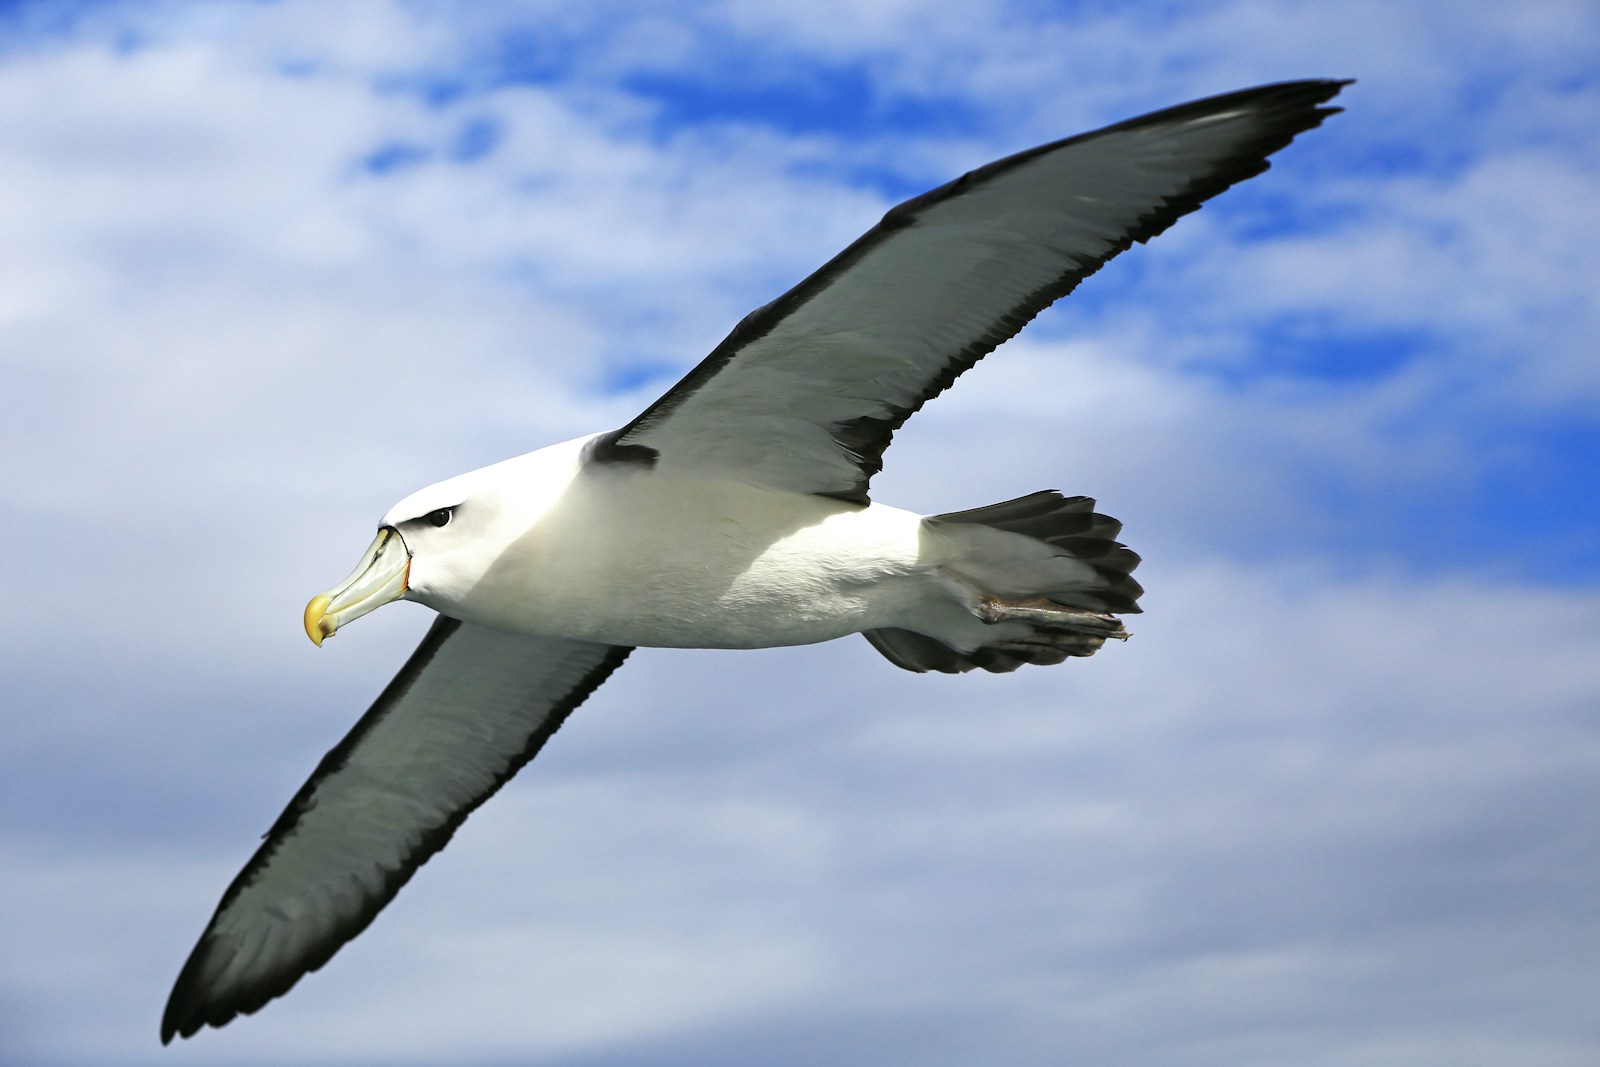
(437, 544)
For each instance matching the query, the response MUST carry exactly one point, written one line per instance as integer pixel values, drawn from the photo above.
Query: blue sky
(271, 266)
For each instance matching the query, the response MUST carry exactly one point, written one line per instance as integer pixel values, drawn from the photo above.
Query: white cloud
(1333, 806)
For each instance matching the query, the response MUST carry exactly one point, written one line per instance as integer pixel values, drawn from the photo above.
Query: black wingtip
(176, 1021)
(1300, 94)
(187, 1011)
(182, 1017)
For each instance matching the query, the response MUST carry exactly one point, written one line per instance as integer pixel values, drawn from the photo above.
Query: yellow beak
(382, 575)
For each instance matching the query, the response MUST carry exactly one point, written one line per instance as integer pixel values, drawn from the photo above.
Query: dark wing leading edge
(468, 709)
(805, 393)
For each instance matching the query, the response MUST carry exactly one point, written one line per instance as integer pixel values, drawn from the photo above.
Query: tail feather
(1067, 622)
(1046, 515)
(912, 651)
(1071, 524)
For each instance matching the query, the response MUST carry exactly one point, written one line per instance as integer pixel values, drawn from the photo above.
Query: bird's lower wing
(470, 707)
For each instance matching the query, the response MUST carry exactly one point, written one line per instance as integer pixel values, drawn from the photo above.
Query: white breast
(628, 556)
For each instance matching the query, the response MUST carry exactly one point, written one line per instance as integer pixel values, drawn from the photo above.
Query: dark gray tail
(1066, 622)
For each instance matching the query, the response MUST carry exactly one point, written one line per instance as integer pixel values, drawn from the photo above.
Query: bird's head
(437, 544)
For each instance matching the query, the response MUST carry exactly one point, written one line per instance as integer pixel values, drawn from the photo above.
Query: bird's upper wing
(468, 709)
(805, 393)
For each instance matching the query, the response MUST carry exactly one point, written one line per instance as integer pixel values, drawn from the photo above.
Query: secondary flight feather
(547, 569)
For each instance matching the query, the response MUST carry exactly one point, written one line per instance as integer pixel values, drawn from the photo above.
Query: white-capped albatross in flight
(732, 513)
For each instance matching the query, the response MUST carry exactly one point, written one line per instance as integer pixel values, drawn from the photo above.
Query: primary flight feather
(732, 513)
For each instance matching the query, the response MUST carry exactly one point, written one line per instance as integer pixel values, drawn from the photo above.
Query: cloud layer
(272, 266)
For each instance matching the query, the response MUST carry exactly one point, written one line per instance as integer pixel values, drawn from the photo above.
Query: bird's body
(627, 555)
(732, 513)
(717, 564)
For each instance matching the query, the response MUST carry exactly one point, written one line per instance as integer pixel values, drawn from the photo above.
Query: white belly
(629, 557)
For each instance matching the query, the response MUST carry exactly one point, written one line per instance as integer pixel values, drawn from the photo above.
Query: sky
(265, 268)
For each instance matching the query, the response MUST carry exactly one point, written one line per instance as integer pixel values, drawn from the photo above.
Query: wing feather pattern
(468, 709)
(806, 392)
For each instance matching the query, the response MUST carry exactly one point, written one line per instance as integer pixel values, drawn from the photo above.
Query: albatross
(732, 513)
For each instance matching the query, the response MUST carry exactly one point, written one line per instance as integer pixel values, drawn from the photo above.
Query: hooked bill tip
(317, 626)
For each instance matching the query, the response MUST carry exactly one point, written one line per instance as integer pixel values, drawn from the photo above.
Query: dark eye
(438, 518)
